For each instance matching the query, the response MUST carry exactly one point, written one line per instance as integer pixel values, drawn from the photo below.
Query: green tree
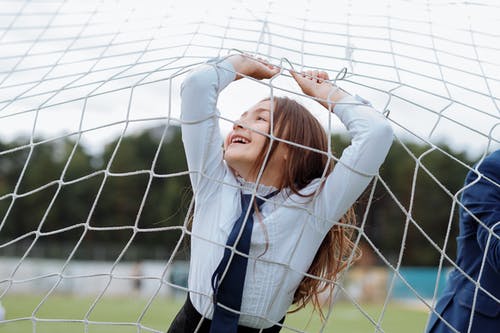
(416, 188)
(64, 186)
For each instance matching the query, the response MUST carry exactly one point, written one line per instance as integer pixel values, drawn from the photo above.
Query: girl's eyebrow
(258, 110)
(262, 110)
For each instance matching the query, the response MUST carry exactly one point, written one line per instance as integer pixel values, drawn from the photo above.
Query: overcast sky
(434, 66)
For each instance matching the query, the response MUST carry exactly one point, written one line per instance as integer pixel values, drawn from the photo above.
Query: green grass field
(113, 315)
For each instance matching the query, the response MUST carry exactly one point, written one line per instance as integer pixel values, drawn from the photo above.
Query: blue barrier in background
(422, 279)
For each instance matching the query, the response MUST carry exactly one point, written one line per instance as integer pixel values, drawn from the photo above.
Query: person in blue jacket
(471, 299)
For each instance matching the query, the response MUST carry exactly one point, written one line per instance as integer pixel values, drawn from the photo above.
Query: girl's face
(246, 141)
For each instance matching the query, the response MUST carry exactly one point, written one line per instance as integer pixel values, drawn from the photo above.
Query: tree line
(56, 197)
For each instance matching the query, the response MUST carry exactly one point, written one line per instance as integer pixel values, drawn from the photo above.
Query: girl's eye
(261, 118)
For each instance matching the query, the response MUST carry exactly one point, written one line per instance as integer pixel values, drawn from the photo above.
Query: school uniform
(290, 228)
(464, 305)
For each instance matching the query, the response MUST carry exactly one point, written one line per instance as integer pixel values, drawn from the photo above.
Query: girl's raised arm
(200, 127)
(371, 138)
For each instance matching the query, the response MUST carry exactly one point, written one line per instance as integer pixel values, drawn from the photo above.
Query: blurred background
(94, 190)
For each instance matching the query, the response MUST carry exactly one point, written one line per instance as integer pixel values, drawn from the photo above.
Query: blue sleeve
(482, 199)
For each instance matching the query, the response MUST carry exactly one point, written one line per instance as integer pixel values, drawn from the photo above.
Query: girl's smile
(247, 141)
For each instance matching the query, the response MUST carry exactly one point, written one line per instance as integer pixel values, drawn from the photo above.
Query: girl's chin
(233, 165)
(231, 157)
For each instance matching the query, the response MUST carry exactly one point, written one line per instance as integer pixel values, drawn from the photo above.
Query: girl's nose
(237, 124)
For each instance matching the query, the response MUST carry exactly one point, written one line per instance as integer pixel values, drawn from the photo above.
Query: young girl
(301, 234)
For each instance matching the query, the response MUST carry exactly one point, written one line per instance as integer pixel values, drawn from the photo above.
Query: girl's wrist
(238, 62)
(330, 95)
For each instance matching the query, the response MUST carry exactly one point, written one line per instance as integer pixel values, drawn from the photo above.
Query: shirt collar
(248, 187)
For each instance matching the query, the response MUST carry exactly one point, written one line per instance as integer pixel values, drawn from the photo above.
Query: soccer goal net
(94, 189)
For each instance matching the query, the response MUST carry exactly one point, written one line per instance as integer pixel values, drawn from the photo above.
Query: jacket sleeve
(482, 199)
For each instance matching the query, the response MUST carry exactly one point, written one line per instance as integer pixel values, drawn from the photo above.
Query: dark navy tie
(229, 290)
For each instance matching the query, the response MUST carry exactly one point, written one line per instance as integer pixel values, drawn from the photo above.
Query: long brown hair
(294, 123)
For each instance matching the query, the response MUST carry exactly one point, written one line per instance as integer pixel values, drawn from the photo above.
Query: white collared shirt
(291, 228)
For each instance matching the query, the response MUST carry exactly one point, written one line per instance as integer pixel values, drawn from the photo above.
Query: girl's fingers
(315, 75)
(263, 61)
(261, 68)
(266, 63)
(323, 75)
(274, 71)
(309, 77)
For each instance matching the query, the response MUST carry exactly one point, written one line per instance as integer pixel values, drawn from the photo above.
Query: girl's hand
(254, 67)
(315, 84)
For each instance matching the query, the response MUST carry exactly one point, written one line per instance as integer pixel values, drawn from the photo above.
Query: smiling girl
(302, 205)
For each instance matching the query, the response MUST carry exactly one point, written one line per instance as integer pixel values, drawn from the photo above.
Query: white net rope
(96, 71)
